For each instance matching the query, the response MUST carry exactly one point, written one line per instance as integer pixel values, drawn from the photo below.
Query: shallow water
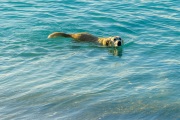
(64, 79)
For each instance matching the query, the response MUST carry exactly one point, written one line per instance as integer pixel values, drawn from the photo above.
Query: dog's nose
(119, 43)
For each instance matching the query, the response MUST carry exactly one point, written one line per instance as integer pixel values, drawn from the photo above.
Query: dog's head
(114, 41)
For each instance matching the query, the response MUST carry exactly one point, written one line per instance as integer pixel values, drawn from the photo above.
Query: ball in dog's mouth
(119, 43)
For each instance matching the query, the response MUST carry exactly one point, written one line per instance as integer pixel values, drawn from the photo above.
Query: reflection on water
(116, 51)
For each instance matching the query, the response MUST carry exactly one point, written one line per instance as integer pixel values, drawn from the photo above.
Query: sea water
(63, 79)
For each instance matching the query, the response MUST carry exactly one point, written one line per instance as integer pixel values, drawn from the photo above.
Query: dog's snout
(119, 43)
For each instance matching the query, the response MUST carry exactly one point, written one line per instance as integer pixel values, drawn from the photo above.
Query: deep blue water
(61, 79)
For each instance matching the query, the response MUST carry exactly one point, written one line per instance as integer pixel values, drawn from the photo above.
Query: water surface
(64, 79)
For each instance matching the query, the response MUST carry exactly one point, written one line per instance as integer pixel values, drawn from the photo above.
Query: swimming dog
(109, 41)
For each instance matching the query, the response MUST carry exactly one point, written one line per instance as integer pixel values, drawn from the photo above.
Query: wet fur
(84, 37)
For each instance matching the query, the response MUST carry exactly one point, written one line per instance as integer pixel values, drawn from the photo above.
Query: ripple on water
(60, 78)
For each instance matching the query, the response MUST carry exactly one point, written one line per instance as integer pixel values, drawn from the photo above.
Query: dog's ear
(107, 43)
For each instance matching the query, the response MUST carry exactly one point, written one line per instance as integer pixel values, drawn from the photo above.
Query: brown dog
(110, 41)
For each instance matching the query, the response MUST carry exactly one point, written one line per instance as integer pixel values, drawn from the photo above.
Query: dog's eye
(115, 39)
(119, 38)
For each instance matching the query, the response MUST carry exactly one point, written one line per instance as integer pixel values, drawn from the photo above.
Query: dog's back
(77, 36)
(84, 37)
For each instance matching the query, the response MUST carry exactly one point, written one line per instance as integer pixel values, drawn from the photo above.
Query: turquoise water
(61, 79)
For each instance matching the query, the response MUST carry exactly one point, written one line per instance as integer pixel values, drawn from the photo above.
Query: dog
(115, 41)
